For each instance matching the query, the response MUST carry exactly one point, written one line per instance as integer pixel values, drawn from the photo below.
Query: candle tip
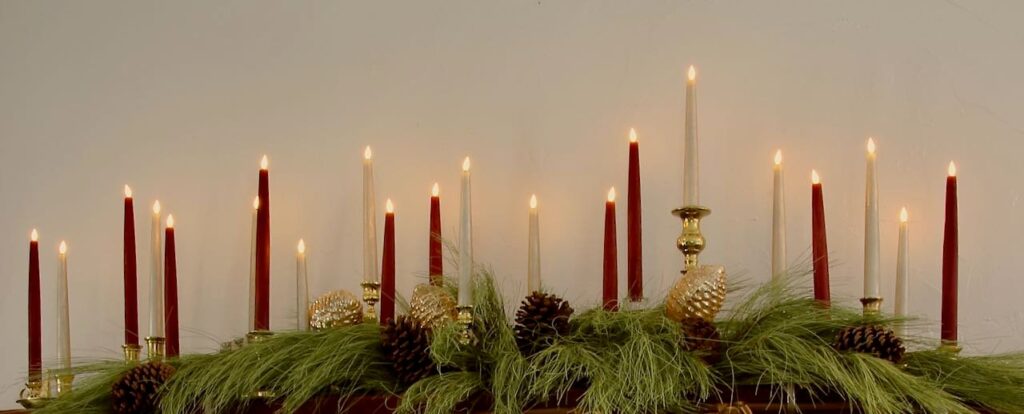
(435, 191)
(127, 191)
(367, 153)
(815, 179)
(256, 203)
(35, 235)
(302, 246)
(692, 74)
(611, 195)
(389, 206)
(871, 145)
(533, 201)
(170, 221)
(63, 247)
(903, 215)
(156, 207)
(952, 169)
(778, 157)
(465, 164)
(632, 135)
(264, 164)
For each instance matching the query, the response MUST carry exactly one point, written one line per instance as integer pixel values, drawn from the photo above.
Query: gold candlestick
(131, 352)
(371, 295)
(700, 292)
(156, 347)
(872, 306)
(465, 319)
(65, 379)
(691, 242)
(35, 395)
(951, 347)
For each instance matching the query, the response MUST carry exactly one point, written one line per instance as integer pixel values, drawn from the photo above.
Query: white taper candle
(871, 246)
(466, 239)
(370, 273)
(156, 276)
(63, 314)
(903, 272)
(778, 220)
(533, 249)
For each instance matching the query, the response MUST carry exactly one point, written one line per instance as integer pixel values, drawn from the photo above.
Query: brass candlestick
(256, 337)
(156, 347)
(131, 352)
(700, 292)
(872, 306)
(65, 379)
(371, 295)
(691, 241)
(951, 347)
(35, 395)
(465, 319)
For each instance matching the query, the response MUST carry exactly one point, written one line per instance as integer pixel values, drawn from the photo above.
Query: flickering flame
(35, 235)
(692, 74)
(435, 191)
(127, 191)
(533, 201)
(952, 169)
(632, 135)
(611, 195)
(778, 157)
(871, 146)
(170, 221)
(302, 247)
(264, 163)
(389, 206)
(156, 207)
(814, 177)
(256, 203)
(465, 164)
(367, 154)
(903, 215)
(63, 247)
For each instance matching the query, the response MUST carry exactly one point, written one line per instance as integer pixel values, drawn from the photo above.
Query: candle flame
(156, 207)
(952, 169)
(632, 135)
(814, 177)
(264, 164)
(256, 203)
(465, 164)
(778, 157)
(63, 247)
(170, 221)
(302, 246)
(903, 215)
(611, 195)
(692, 74)
(35, 235)
(533, 201)
(367, 153)
(127, 191)
(435, 191)
(389, 206)
(871, 146)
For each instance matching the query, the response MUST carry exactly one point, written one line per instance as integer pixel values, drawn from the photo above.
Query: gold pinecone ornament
(137, 391)
(871, 339)
(406, 344)
(335, 309)
(540, 319)
(700, 293)
(432, 305)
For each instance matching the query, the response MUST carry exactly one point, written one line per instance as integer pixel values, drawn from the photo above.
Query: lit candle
(950, 260)
(533, 249)
(63, 315)
(778, 220)
(690, 164)
(131, 289)
(35, 331)
(261, 322)
(387, 282)
(156, 279)
(610, 281)
(902, 272)
(466, 240)
(819, 242)
(370, 274)
(171, 290)
(252, 263)
(436, 265)
(871, 245)
(301, 288)
(634, 240)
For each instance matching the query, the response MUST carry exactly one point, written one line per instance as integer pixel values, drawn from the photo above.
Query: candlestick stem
(691, 242)
(465, 320)
(131, 352)
(872, 306)
(156, 347)
(371, 295)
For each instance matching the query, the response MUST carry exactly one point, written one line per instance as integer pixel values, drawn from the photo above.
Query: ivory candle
(370, 274)
(301, 288)
(778, 220)
(63, 314)
(902, 272)
(156, 278)
(533, 249)
(871, 245)
(691, 167)
(466, 239)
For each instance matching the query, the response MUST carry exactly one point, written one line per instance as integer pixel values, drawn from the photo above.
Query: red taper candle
(170, 290)
(131, 289)
(35, 331)
(436, 259)
(819, 242)
(634, 242)
(387, 268)
(610, 281)
(261, 320)
(950, 260)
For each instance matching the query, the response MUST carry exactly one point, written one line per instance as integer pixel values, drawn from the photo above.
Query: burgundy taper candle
(261, 320)
(610, 281)
(131, 289)
(634, 242)
(819, 242)
(35, 330)
(170, 291)
(950, 260)
(387, 268)
(436, 259)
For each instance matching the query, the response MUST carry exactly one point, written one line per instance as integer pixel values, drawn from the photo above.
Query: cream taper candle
(370, 273)
(533, 249)
(466, 239)
(778, 219)
(871, 246)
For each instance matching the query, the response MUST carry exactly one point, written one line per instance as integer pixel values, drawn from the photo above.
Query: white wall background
(180, 99)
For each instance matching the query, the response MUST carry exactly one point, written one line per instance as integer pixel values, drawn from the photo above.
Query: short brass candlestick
(371, 295)
(156, 347)
(131, 352)
(691, 242)
(256, 337)
(465, 320)
(872, 306)
(35, 395)
(952, 347)
(65, 378)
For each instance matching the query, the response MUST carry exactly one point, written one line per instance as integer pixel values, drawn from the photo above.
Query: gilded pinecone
(540, 319)
(699, 335)
(136, 391)
(407, 346)
(871, 339)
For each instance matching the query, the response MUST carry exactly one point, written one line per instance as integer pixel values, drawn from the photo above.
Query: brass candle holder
(701, 291)
(256, 337)
(35, 394)
(131, 352)
(65, 379)
(371, 295)
(872, 306)
(156, 347)
(951, 347)
(691, 242)
(465, 319)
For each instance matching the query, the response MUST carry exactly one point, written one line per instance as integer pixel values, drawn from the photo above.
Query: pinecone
(407, 346)
(699, 335)
(136, 391)
(539, 320)
(871, 339)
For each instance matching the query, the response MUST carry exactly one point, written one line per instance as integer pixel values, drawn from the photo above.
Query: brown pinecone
(137, 391)
(871, 339)
(407, 346)
(540, 319)
(699, 335)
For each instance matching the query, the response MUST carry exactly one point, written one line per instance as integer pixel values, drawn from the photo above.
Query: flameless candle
(871, 245)
(131, 290)
(819, 242)
(156, 278)
(369, 221)
(301, 288)
(436, 260)
(387, 279)
(171, 290)
(778, 220)
(63, 315)
(610, 281)
(691, 196)
(902, 272)
(533, 249)
(35, 331)
(252, 263)
(634, 240)
(950, 260)
(466, 239)
(262, 304)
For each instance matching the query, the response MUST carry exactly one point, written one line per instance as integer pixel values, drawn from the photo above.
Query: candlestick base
(371, 295)
(256, 337)
(691, 242)
(951, 347)
(35, 395)
(156, 347)
(65, 380)
(465, 319)
(872, 306)
(131, 352)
